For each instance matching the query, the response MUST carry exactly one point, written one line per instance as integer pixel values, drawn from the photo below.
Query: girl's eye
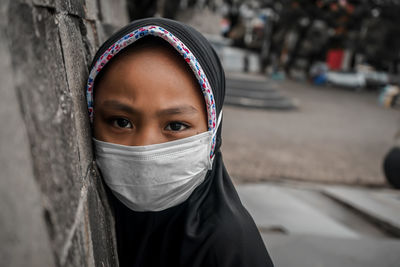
(122, 123)
(176, 126)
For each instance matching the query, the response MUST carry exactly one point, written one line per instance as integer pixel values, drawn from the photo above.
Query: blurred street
(278, 134)
(279, 128)
(334, 135)
(303, 158)
(312, 224)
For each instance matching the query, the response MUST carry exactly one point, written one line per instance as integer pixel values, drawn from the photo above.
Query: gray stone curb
(380, 208)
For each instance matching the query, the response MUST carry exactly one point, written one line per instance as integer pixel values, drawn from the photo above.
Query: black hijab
(211, 228)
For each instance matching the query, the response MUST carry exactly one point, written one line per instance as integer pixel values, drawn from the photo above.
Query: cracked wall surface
(54, 210)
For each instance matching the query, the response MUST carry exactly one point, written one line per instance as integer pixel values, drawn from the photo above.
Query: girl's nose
(149, 135)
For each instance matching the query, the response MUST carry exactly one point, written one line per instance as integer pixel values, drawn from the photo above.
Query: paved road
(335, 135)
(311, 224)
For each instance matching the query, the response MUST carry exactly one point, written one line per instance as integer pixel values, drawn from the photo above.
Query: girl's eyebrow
(177, 110)
(114, 104)
(183, 109)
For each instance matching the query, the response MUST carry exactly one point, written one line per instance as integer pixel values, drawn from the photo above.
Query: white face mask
(155, 177)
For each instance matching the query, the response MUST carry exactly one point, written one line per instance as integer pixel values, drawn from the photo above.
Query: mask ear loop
(212, 139)
(218, 123)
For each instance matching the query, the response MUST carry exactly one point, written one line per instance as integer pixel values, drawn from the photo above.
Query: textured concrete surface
(54, 210)
(318, 251)
(383, 206)
(335, 135)
(273, 208)
(23, 232)
(302, 226)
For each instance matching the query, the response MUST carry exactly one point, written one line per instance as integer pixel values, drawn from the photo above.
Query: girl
(155, 95)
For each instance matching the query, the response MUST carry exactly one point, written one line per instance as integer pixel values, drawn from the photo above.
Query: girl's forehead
(146, 56)
(147, 75)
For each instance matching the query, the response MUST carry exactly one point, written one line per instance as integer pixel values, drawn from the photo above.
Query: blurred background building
(346, 35)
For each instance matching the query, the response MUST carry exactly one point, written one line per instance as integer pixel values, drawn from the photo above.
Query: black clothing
(211, 228)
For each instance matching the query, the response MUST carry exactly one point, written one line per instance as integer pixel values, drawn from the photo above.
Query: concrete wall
(53, 207)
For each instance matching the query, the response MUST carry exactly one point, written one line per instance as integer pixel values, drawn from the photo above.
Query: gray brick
(23, 232)
(101, 224)
(93, 242)
(74, 7)
(79, 252)
(105, 30)
(113, 12)
(48, 112)
(90, 39)
(77, 73)
(101, 35)
(45, 3)
(91, 9)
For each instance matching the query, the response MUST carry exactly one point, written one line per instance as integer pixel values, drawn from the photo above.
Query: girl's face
(148, 97)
